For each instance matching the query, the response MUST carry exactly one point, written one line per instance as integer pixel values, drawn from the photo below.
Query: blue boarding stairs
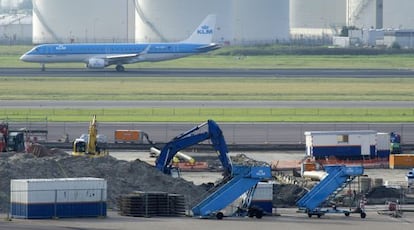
(243, 179)
(339, 176)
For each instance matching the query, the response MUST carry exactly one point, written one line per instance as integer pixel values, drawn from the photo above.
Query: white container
(352, 144)
(62, 197)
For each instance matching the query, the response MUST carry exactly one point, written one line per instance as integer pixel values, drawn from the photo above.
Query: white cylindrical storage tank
(365, 13)
(65, 21)
(264, 21)
(175, 20)
(9, 4)
(398, 14)
(317, 16)
(15, 29)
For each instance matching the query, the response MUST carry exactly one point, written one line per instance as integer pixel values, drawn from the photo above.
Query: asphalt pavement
(230, 72)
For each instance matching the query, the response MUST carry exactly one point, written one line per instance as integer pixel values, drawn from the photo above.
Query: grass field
(210, 88)
(218, 88)
(220, 114)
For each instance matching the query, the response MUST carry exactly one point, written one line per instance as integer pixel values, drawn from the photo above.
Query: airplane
(99, 56)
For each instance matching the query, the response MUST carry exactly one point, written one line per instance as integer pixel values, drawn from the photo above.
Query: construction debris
(123, 177)
(38, 150)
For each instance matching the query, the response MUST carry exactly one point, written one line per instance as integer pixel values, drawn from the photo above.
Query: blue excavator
(189, 138)
(238, 179)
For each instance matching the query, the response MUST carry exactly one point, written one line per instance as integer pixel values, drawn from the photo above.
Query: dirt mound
(239, 159)
(122, 176)
(286, 195)
(384, 192)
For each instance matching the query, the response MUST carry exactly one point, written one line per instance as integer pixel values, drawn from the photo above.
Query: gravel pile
(286, 195)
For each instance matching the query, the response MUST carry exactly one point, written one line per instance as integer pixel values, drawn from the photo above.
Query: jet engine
(96, 63)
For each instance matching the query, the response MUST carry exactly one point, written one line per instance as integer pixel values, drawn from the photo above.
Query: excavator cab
(15, 142)
(79, 147)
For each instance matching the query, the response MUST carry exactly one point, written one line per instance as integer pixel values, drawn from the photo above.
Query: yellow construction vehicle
(90, 144)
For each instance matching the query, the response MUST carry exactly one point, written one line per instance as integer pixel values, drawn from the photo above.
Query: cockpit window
(35, 50)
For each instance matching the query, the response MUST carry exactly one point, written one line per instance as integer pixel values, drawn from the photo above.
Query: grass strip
(219, 114)
(219, 88)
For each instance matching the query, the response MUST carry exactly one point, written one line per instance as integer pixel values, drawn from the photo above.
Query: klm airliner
(99, 56)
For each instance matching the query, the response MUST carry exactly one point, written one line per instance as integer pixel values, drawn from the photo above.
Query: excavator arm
(93, 132)
(188, 139)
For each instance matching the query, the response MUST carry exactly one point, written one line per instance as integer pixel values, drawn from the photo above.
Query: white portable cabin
(355, 144)
(58, 197)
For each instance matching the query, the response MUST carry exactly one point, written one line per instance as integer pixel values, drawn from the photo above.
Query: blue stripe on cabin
(383, 153)
(342, 152)
(60, 210)
(336, 151)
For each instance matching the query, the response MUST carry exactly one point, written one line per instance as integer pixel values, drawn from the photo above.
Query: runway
(159, 72)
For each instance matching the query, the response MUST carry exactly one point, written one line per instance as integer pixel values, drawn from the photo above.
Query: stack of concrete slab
(148, 204)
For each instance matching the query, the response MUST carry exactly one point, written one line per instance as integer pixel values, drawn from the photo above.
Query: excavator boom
(93, 132)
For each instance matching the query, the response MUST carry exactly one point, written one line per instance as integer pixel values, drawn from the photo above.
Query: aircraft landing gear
(120, 68)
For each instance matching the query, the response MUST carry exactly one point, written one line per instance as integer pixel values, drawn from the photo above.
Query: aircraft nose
(23, 57)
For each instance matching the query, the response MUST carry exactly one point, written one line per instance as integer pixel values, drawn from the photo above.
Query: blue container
(63, 210)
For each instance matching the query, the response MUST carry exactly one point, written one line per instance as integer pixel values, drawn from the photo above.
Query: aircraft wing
(124, 58)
